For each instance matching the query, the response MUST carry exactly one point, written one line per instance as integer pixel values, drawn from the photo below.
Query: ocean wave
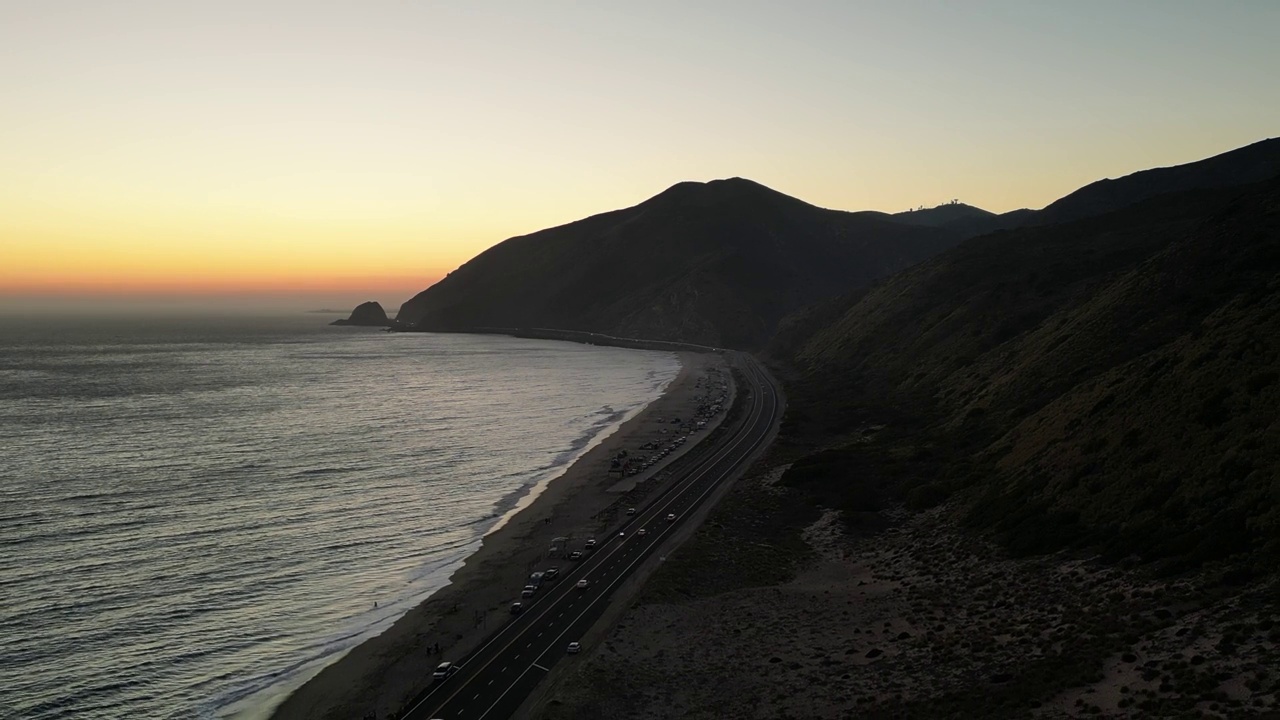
(219, 527)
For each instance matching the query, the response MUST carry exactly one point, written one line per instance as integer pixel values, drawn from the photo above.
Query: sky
(317, 154)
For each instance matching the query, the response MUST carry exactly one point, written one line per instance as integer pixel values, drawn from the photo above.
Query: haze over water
(196, 512)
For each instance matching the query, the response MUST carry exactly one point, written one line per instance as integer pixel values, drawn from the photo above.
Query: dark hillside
(717, 263)
(1110, 381)
(1252, 163)
(943, 215)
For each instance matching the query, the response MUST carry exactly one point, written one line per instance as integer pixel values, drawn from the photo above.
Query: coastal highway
(496, 678)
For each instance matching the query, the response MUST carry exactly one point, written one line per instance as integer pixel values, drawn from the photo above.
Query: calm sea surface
(197, 514)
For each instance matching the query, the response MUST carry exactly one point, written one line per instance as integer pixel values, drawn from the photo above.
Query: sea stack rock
(369, 313)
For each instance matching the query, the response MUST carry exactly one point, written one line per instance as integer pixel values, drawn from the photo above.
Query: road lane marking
(542, 668)
(675, 491)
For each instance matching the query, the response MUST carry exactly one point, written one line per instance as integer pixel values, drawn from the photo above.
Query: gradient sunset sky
(325, 153)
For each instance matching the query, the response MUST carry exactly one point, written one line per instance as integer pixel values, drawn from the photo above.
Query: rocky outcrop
(369, 313)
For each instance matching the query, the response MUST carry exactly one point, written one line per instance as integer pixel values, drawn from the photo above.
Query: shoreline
(262, 703)
(381, 674)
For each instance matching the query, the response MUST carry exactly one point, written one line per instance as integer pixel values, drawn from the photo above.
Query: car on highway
(528, 591)
(671, 517)
(444, 670)
(631, 511)
(575, 647)
(640, 532)
(591, 543)
(516, 608)
(550, 573)
(621, 534)
(575, 555)
(582, 584)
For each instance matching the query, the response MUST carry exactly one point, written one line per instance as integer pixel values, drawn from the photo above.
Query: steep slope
(1252, 163)
(1110, 381)
(1242, 166)
(717, 263)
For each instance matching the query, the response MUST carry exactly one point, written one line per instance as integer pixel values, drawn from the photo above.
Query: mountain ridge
(1090, 380)
(715, 263)
(723, 262)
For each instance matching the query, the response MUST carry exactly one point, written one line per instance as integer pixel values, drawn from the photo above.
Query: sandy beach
(379, 677)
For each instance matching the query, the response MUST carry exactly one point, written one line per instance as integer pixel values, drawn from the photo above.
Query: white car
(582, 584)
(591, 542)
(575, 647)
(671, 517)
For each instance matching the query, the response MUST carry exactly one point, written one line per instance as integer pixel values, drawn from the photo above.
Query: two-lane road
(495, 679)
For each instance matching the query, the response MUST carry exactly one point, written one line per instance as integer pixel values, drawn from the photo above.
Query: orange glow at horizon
(288, 147)
(214, 286)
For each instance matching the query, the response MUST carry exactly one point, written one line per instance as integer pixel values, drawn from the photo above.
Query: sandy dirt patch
(925, 620)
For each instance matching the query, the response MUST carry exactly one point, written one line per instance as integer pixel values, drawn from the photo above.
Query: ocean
(196, 514)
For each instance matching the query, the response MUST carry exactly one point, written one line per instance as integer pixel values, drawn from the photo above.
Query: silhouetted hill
(716, 263)
(966, 220)
(1252, 163)
(366, 313)
(944, 215)
(1111, 381)
(1242, 166)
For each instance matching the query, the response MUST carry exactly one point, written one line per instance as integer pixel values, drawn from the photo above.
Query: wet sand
(381, 675)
